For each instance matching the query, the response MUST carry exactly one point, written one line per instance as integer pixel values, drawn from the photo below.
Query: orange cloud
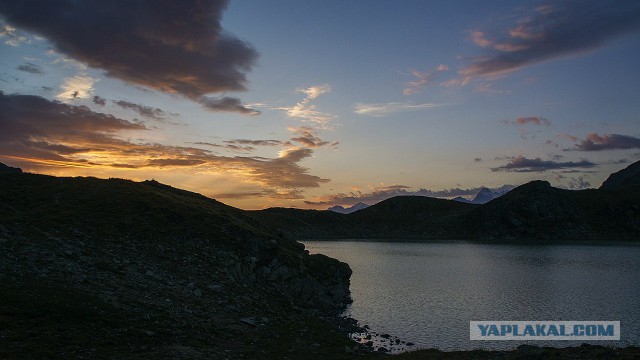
(38, 132)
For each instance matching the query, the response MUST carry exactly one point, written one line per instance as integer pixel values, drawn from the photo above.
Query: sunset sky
(317, 103)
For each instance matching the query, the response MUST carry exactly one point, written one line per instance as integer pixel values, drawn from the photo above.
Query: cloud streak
(550, 32)
(384, 109)
(523, 164)
(176, 47)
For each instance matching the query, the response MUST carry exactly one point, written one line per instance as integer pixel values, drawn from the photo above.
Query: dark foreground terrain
(94, 268)
(117, 269)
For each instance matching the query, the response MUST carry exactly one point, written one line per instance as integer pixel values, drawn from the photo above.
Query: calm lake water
(427, 293)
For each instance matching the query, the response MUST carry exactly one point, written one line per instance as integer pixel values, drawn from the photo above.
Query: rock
(249, 321)
(410, 344)
(386, 336)
(217, 288)
(383, 349)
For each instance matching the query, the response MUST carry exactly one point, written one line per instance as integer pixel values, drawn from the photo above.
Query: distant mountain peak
(461, 199)
(349, 210)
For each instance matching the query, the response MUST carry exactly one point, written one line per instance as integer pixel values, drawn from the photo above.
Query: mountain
(349, 210)
(484, 196)
(399, 217)
(535, 210)
(121, 269)
(626, 177)
(460, 199)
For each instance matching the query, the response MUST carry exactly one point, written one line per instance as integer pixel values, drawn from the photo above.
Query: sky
(311, 104)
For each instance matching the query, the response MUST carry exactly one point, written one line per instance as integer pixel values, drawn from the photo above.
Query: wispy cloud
(231, 147)
(76, 87)
(523, 164)
(384, 109)
(308, 112)
(379, 193)
(422, 79)
(189, 55)
(12, 36)
(595, 142)
(549, 32)
(254, 142)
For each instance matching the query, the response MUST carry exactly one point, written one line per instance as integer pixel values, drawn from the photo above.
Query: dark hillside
(115, 268)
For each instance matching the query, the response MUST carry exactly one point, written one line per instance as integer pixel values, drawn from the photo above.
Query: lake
(427, 293)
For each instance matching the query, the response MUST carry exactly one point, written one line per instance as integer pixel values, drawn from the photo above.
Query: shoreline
(486, 241)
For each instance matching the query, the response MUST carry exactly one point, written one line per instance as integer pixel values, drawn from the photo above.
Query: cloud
(226, 103)
(384, 109)
(315, 91)
(379, 193)
(99, 100)
(595, 142)
(177, 47)
(534, 120)
(255, 142)
(307, 112)
(230, 147)
(76, 87)
(523, 164)
(144, 111)
(30, 68)
(307, 137)
(422, 79)
(11, 36)
(550, 32)
(38, 132)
